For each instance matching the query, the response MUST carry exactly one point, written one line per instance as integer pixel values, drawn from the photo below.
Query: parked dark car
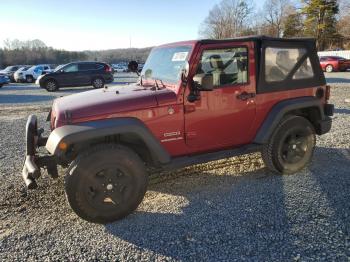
(10, 71)
(4, 79)
(334, 63)
(96, 74)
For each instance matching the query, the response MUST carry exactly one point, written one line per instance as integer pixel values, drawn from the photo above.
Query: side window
(84, 67)
(279, 62)
(97, 66)
(227, 66)
(305, 70)
(71, 68)
(38, 69)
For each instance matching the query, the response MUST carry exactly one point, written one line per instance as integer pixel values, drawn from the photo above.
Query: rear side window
(279, 63)
(227, 66)
(287, 65)
(84, 67)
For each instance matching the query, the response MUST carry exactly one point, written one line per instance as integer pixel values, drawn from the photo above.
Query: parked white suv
(18, 74)
(34, 72)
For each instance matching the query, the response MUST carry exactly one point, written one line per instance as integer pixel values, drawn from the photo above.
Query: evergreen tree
(293, 25)
(320, 20)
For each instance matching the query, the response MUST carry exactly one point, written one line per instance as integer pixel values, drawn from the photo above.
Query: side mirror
(203, 82)
(133, 67)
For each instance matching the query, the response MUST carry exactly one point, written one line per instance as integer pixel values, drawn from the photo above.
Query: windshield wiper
(156, 83)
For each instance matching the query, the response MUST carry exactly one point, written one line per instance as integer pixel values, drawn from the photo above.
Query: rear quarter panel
(266, 101)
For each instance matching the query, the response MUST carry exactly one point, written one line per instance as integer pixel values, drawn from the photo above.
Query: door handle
(245, 96)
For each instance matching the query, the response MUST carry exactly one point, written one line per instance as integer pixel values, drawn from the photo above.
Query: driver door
(223, 117)
(68, 75)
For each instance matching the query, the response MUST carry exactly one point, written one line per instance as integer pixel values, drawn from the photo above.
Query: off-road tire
(29, 79)
(51, 85)
(281, 141)
(98, 82)
(85, 185)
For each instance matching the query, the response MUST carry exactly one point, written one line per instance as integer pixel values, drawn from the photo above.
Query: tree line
(32, 52)
(326, 20)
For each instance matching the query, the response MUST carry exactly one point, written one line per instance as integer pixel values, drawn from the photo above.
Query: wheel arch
(130, 132)
(308, 107)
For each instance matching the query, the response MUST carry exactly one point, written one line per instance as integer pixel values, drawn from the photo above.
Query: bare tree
(227, 19)
(276, 12)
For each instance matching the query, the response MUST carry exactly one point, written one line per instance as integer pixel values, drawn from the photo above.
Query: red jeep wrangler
(195, 102)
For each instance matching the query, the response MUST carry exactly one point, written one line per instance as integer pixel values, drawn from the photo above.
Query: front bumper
(19, 77)
(4, 80)
(33, 162)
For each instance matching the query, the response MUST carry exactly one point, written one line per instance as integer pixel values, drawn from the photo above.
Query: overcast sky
(103, 24)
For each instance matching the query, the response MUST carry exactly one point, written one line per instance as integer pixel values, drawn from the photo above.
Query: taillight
(108, 69)
(328, 92)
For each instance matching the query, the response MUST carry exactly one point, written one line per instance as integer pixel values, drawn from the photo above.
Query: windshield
(24, 68)
(59, 67)
(166, 63)
(9, 68)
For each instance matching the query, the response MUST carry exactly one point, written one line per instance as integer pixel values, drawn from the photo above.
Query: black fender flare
(80, 132)
(282, 108)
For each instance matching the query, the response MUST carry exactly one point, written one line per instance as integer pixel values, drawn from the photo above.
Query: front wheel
(98, 82)
(291, 146)
(51, 85)
(106, 183)
(29, 79)
(329, 68)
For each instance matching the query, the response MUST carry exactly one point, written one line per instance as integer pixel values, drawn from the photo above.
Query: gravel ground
(231, 209)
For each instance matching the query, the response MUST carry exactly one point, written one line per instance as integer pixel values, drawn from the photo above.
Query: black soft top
(262, 42)
(258, 38)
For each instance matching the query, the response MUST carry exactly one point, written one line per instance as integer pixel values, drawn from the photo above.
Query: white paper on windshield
(180, 56)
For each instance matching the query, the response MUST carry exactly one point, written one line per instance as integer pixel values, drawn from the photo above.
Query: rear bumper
(33, 162)
(109, 78)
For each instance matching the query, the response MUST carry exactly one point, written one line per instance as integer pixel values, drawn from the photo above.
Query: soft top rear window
(288, 65)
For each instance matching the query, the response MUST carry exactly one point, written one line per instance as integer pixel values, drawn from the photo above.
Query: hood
(106, 102)
(49, 73)
(3, 72)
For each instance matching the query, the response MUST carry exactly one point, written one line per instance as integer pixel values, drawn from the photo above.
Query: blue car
(4, 79)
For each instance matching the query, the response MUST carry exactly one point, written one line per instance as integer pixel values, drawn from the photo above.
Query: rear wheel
(29, 79)
(106, 183)
(98, 82)
(51, 85)
(291, 146)
(329, 68)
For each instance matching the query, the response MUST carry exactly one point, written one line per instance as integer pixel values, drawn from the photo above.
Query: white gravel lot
(229, 210)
